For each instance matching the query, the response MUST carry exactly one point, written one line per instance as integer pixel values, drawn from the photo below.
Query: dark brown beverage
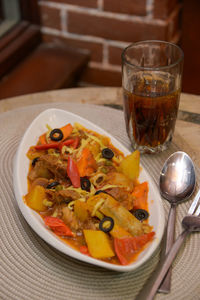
(150, 111)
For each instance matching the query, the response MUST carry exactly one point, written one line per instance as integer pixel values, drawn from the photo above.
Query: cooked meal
(87, 193)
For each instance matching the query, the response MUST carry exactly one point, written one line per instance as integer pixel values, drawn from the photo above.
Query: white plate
(57, 118)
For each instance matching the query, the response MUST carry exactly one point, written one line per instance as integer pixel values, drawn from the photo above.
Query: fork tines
(197, 213)
(194, 205)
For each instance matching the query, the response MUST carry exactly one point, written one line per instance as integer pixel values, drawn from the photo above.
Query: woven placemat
(31, 269)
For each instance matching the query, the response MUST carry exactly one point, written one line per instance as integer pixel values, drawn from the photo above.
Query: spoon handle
(150, 288)
(166, 284)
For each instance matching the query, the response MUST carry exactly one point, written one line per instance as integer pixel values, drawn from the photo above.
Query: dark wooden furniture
(50, 66)
(191, 46)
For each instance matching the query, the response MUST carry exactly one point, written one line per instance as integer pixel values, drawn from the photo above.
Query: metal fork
(191, 223)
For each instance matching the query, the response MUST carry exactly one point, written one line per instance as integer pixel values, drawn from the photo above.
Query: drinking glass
(151, 81)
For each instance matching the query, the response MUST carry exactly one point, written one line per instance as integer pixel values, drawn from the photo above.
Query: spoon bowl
(177, 178)
(177, 183)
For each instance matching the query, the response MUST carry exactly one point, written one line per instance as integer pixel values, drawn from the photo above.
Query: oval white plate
(57, 118)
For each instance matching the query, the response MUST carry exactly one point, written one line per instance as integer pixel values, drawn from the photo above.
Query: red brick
(95, 49)
(50, 17)
(84, 3)
(101, 77)
(114, 52)
(162, 8)
(136, 7)
(114, 55)
(121, 30)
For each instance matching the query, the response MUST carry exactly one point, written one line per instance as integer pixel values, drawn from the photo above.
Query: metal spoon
(177, 182)
(191, 223)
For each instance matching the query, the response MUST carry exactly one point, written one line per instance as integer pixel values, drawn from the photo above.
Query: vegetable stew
(88, 193)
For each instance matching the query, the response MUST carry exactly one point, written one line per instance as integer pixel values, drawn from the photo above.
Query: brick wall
(105, 27)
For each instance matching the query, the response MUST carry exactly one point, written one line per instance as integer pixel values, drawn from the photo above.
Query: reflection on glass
(9, 15)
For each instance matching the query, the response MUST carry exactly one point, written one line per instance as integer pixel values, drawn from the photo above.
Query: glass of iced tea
(151, 81)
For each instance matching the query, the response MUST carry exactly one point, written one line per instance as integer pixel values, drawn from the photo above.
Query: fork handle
(169, 240)
(150, 288)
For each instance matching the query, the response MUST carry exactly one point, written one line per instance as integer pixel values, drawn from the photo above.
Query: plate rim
(50, 237)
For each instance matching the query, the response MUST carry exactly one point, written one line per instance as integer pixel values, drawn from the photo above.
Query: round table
(30, 268)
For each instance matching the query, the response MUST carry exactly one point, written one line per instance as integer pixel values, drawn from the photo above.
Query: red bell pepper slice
(126, 248)
(84, 250)
(73, 173)
(66, 143)
(47, 146)
(75, 142)
(58, 226)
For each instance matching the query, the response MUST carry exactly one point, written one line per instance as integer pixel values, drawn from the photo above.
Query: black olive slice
(141, 214)
(56, 134)
(107, 153)
(104, 228)
(34, 161)
(52, 185)
(100, 191)
(85, 184)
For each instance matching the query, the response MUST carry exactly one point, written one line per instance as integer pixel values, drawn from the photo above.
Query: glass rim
(124, 60)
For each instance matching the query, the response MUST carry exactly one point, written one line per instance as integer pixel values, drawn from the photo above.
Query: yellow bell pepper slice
(130, 165)
(35, 198)
(98, 243)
